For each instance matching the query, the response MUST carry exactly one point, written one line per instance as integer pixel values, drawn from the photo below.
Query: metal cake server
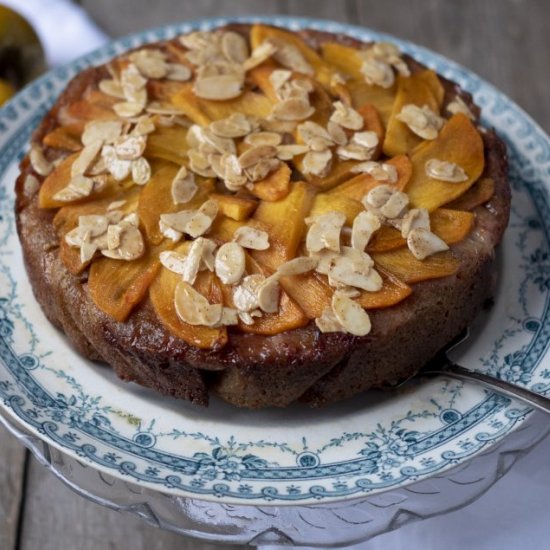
(441, 364)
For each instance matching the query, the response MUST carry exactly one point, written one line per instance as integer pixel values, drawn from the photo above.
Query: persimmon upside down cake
(264, 215)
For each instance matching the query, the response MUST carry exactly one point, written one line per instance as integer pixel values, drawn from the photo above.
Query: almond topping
(112, 87)
(290, 57)
(328, 322)
(245, 296)
(268, 294)
(219, 87)
(353, 318)
(173, 261)
(417, 218)
(106, 131)
(364, 226)
(252, 238)
(130, 147)
(395, 205)
(423, 243)
(193, 308)
(292, 109)
(141, 171)
(378, 73)
(354, 268)
(38, 161)
(421, 120)
(379, 171)
(256, 154)
(235, 126)
(317, 162)
(230, 263)
(260, 54)
(346, 116)
(324, 232)
(234, 47)
(150, 62)
(263, 138)
(178, 72)
(297, 266)
(86, 158)
(457, 105)
(288, 152)
(131, 245)
(78, 188)
(361, 146)
(445, 171)
(184, 187)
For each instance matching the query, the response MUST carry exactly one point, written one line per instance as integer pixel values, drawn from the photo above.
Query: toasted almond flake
(113, 236)
(262, 168)
(416, 218)
(31, 186)
(255, 154)
(230, 263)
(336, 133)
(85, 158)
(292, 109)
(346, 116)
(150, 62)
(280, 126)
(192, 263)
(364, 226)
(353, 318)
(445, 171)
(314, 136)
(38, 161)
(112, 88)
(230, 316)
(127, 109)
(290, 57)
(198, 225)
(328, 322)
(378, 73)
(119, 169)
(131, 245)
(268, 294)
(234, 47)
(184, 187)
(324, 232)
(354, 268)
(278, 78)
(395, 205)
(87, 252)
(94, 224)
(177, 220)
(317, 163)
(324, 260)
(235, 126)
(245, 296)
(78, 188)
(288, 152)
(210, 143)
(193, 308)
(458, 105)
(130, 147)
(349, 291)
(378, 196)
(423, 243)
(130, 219)
(169, 232)
(178, 72)
(219, 88)
(260, 54)
(245, 317)
(105, 131)
(115, 205)
(421, 120)
(263, 138)
(141, 171)
(250, 237)
(297, 266)
(379, 171)
(199, 164)
(144, 126)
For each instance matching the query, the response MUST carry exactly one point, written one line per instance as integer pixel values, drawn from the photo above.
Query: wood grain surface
(505, 41)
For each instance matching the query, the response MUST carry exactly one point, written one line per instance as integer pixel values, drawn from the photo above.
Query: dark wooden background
(507, 42)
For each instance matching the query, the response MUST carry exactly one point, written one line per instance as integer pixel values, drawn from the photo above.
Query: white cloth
(65, 30)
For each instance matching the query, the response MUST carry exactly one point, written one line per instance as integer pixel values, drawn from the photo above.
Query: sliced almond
(364, 226)
(317, 163)
(278, 78)
(353, 318)
(378, 196)
(105, 131)
(288, 152)
(38, 161)
(354, 268)
(417, 218)
(131, 246)
(94, 224)
(184, 187)
(245, 296)
(141, 171)
(268, 295)
(86, 158)
(260, 54)
(174, 261)
(324, 232)
(423, 243)
(178, 72)
(193, 308)
(130, 147)
(328, 322)
(112, 88)
(150, 62)
(336, 133)
(378, 73)
(128, 109)
(252, 238)
(445, 171)
(255, 154)
(395, 205)
(290, 57)
(235, 126)
(234, 47)
(292, 109)
(421, 120)
(177, 220)
(346, 116)
(219, 88)
(230, 263)
(78, 188)
(314, 136)
(379, 171)
(114, 233)
(31, 186)
(297, 266)
(458, 105)
(263, 138)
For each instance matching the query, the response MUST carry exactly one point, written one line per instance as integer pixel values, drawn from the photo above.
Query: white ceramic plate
(371, 443)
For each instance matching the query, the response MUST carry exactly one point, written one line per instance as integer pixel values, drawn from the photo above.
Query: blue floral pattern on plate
(368, 444)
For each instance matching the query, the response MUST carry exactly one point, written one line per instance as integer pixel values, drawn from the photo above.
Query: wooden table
(505, 41)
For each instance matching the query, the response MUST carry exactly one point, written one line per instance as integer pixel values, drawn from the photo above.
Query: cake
(264, 215)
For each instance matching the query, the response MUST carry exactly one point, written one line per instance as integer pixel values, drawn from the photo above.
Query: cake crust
(257, 371)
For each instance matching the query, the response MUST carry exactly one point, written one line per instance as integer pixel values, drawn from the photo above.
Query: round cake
(264, 215)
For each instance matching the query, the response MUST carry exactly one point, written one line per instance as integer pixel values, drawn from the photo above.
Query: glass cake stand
(322, 525)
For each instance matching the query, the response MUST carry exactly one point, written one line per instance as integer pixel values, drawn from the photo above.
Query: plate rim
(291, 22)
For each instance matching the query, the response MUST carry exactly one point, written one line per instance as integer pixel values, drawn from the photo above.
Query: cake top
(242, 178)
